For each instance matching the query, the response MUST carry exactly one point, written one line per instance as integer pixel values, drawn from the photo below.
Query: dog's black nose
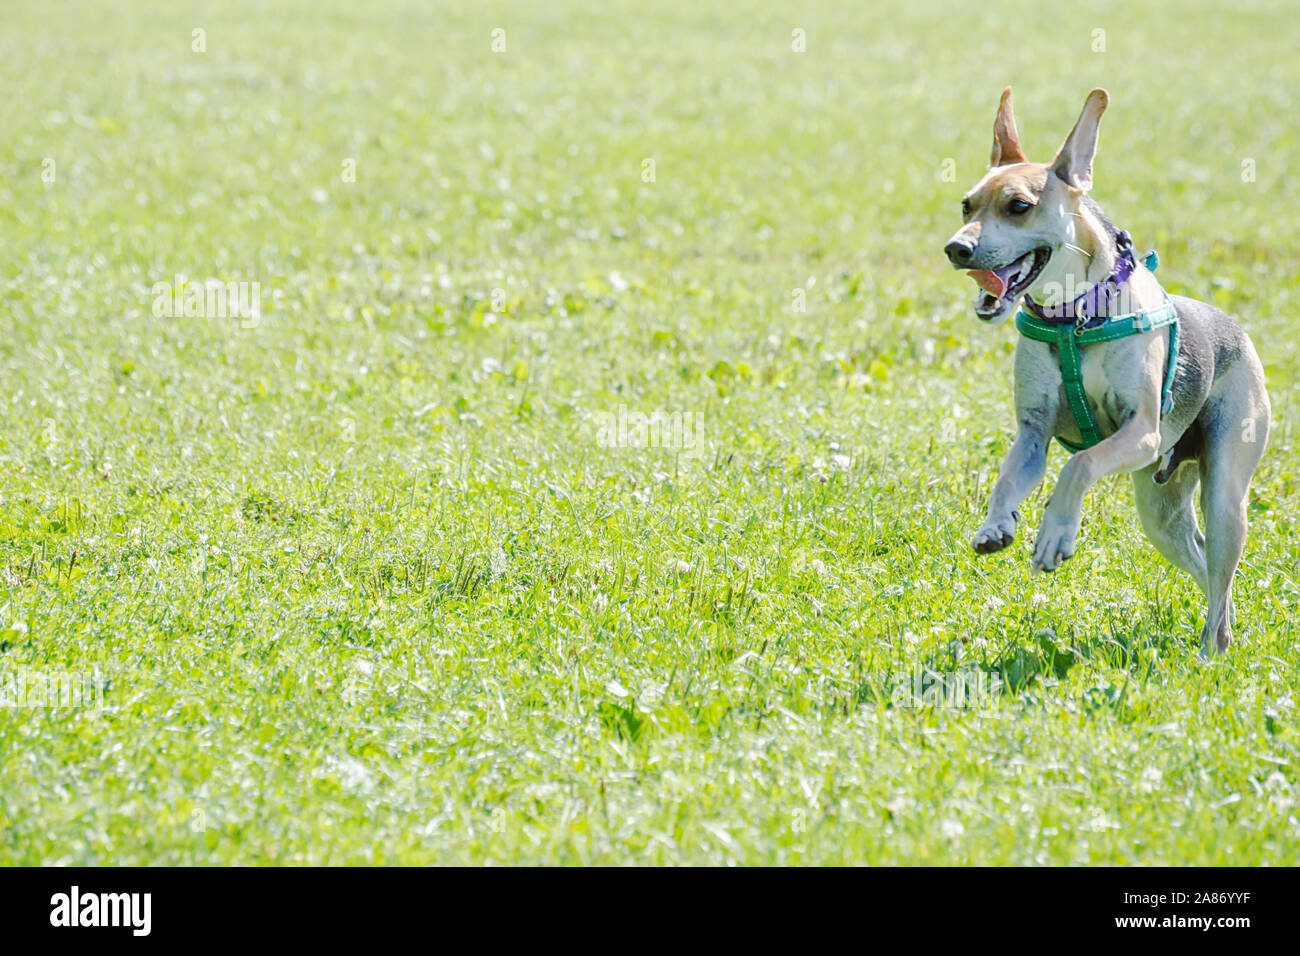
(958, 252)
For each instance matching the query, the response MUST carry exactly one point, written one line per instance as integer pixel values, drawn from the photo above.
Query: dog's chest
(1104, 371)
(1111, 375)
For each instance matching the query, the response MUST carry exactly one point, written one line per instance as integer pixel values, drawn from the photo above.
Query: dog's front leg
(1037, 388)
(1022, 469)
(1134, 445)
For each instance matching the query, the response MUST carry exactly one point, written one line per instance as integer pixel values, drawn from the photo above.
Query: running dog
(1125, 376)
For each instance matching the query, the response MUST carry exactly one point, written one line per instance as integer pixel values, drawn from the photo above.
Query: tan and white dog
(1031, 230)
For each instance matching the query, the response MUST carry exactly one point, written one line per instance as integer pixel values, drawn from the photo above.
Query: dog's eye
(1018, 207)
(965, 207)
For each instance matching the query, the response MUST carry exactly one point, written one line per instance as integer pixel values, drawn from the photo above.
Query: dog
(1173, 386)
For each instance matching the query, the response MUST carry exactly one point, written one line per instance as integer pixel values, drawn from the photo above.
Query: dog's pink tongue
(989, 281)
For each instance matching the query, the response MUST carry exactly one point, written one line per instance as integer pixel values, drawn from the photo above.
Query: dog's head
(1021, 213)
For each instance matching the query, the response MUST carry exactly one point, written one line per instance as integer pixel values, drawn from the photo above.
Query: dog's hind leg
(1168, 515)
(1236, 428)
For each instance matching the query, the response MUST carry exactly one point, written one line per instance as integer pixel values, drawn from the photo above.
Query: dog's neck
(1085, 259)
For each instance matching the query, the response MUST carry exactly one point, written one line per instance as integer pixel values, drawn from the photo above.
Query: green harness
(1069, 337)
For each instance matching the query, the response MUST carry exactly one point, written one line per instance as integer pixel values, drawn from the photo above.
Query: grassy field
(364, 577)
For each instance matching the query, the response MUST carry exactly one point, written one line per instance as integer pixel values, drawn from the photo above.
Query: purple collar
(1090, 309)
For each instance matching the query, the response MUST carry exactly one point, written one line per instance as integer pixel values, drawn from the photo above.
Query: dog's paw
(1055, 543)
(1215, 644)
(996, 534)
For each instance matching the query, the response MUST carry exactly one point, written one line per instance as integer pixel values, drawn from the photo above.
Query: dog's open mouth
(1003, 286)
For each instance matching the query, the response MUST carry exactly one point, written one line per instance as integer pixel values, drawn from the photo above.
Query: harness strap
(1068, 338)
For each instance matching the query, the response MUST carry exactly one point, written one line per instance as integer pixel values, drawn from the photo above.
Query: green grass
(364, 585)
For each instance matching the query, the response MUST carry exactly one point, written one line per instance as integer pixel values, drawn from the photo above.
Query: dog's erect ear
(1006, 144)
(1073, 164)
